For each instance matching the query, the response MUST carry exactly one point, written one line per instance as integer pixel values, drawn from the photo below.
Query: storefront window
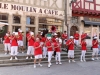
(30, 20)
(4, 18)
(47, 23)
(87, 30)
(16, 19)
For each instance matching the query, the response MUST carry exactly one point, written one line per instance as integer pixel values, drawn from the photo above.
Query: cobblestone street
(78, 68)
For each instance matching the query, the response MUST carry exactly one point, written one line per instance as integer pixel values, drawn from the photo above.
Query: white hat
(20, 31)
(71, 37)
(41, 33)
(13, 33)
(95, 37)
(31, 33)
(57, 39)
(55, 33)
(16, 33)
(48, 38)
(7, 34)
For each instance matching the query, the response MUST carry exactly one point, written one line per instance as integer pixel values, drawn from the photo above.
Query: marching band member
(14, 45)
(64, 37)
(50, 50)
(7, 45)
(83, 52)
(43, 40)
(37, 52)
(70, 44)
(95, 48)
(57, 46)
(31, 41)
(54, 40)
(20, 40)
(76, 38)
(83, 36)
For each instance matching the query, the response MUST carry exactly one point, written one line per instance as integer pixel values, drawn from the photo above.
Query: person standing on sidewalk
(64, 38)
(37, 52)
(83, 52)
(95, 48)
(70, 44)
(43, 40)
(20, 40)
(7, 45)
(57, 46)
(76, 38)
(30, 51)
(50, 50)
(14, 45)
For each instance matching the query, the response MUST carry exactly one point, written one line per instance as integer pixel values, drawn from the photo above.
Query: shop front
(30, 18)
(91, 28)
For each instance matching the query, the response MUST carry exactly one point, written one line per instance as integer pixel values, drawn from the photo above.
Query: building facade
(86, 18)
(36, 15)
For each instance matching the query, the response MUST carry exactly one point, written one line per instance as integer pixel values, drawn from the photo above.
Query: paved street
(78, 68)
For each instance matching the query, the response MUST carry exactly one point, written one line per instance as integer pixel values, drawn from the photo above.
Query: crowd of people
(49, 44)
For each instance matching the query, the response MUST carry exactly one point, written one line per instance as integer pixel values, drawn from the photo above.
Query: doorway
(73, 29)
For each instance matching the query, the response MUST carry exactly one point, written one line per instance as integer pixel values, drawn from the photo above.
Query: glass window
(90, 0)
(4, 18)
(30, 20)
(16, 19)
(87, 30)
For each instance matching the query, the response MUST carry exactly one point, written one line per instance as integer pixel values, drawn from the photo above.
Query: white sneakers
(28, 57)
(93, 59)
(12, 58)
(49, 65)
(16, 58)
(58, 63)
(38, 64)
(70, 61)
(34, 66)
(31, 57)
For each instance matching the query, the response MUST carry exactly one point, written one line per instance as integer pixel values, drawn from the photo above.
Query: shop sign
(23, 8)
(92, 19)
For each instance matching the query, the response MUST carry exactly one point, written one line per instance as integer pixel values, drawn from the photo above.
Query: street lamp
(66, 23)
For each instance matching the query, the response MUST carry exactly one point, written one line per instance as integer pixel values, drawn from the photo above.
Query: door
(73, 30)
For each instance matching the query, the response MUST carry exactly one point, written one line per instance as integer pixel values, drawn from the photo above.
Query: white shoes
(73, 60)
(11, 58)
(16, 58)
(22, 52)
(69, 61)
(31, 57)
(26, 57)
(93, 59)
(40, 65)
(34, 66)
(5, 53)
(97, 58)
(56, 63)
(81, 60)
(60, 63)
(48, 65)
